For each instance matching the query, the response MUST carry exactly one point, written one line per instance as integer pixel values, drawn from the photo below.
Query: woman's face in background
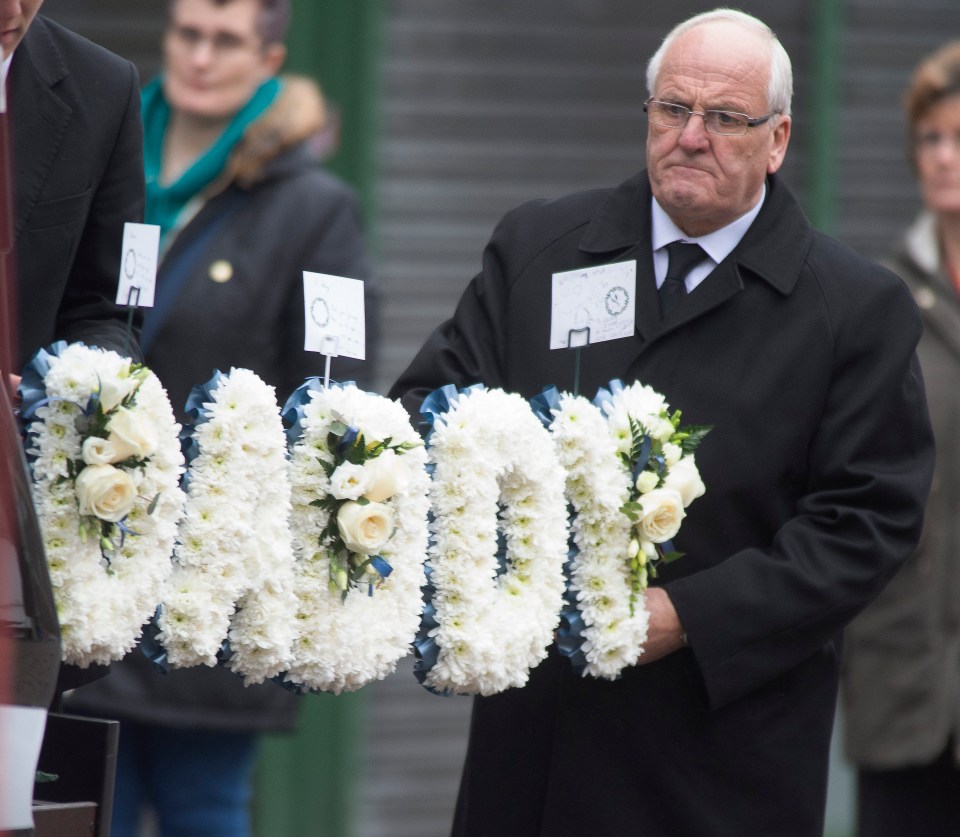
(937, 156)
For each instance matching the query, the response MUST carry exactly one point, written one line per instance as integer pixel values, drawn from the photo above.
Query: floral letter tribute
(498, 546)
(105, 457)
(630, 475)
(359, 523)
(233, 570)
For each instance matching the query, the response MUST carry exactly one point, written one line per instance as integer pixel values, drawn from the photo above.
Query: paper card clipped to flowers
(104, 453)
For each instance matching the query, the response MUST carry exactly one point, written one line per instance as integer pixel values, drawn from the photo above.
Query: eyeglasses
(725, 122)
(221, 43)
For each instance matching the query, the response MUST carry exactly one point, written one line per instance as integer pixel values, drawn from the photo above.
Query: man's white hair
(780, 86)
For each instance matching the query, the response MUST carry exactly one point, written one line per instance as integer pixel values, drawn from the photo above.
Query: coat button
(221, 271)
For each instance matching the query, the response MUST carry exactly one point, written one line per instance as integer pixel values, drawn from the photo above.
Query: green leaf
(153, 503)
(695, 435)
(667, 557)
(43, 778)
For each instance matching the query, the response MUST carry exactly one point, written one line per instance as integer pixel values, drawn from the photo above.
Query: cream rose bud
(365, 528)
(662, 429)
(130, 435)
(97, 451)
(684, 478)
(105, 491)
(384, 476)
(647, 481)
(114, 390)
(349, 481)
(671, 454)
(661, 514)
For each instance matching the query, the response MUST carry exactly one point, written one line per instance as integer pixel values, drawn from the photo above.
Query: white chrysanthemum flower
(105, 590)
(233, 574)
(490, 451)
(346, 640)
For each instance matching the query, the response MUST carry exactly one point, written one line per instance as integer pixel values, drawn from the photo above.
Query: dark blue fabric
(175, 271)
(197, 781)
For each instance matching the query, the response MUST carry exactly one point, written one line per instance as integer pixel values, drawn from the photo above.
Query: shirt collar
(717, 245)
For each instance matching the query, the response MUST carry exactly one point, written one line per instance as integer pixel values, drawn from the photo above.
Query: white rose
(114, 390)
(661, 514)
(349, 481)
(365, 528)
(97, 451)
(647, 481)
(684, 478)
(130, 435)
(384, 476)
(105, 491)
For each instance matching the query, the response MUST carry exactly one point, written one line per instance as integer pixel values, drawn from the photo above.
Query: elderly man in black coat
(801, 354)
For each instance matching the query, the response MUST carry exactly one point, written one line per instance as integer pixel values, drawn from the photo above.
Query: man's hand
(664, 633)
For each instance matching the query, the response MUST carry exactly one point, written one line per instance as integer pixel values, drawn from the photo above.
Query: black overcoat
(78, 178)
(800, 352)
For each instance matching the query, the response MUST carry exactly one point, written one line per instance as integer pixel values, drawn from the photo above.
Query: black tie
(683, 256)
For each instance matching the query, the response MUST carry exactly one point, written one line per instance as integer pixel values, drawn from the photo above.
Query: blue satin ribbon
(570, 633)
(425, 648)
(293, 409)
(546, 405)
(197, 413)
(32, 389)
(605, 396)
(150, 645)
(441, 401)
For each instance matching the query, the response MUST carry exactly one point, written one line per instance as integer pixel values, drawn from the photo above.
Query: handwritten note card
(593, 305)
(333, 308)
(138, 265)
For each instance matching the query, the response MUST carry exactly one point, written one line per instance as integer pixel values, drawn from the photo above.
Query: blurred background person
(902, 654)
(244, 209)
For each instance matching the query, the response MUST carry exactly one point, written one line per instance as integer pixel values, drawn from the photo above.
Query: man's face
(702, 180)
(15, 18)
(937, 156)
(214, 58)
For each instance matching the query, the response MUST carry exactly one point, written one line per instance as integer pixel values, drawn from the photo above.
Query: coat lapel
(38, 117)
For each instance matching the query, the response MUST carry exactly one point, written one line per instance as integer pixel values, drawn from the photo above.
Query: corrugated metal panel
(489, 104)
(883, 42)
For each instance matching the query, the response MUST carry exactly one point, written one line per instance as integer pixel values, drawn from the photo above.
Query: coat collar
(773, 250)
(38, 116)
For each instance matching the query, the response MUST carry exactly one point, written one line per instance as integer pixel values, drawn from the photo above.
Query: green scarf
(165, 203)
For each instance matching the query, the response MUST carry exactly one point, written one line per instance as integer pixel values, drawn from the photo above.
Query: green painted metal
(306, 781)
(338, 43)
(825, 136)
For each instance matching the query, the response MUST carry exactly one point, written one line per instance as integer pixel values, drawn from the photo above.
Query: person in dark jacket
(801, 354)
(243, 209)
(901, 665)
(76, 166)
